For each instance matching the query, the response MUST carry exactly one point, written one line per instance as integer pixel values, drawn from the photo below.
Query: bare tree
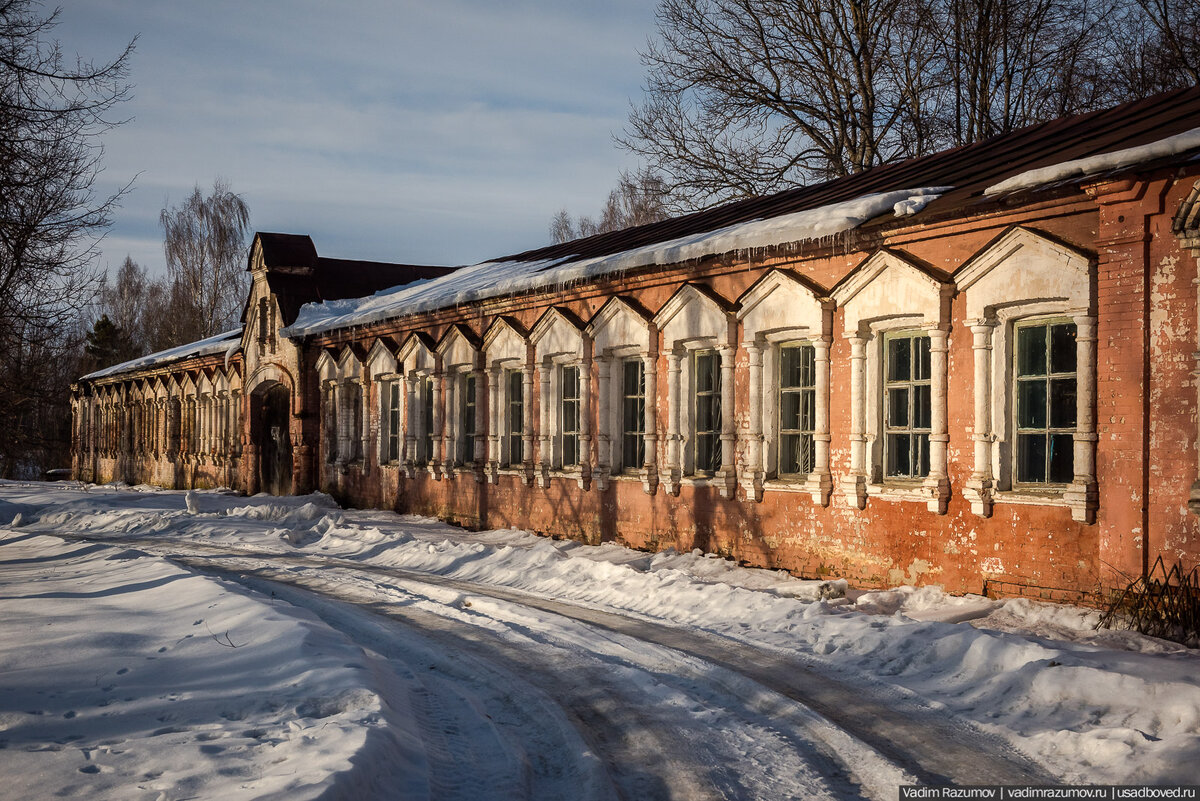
(1011, 63)
(204, 240)
(745, 97)
(123, 300)
(639, 198)
(53, 113)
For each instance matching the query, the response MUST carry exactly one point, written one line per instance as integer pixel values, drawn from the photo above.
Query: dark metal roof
(297, 275)
(970, 169)
(287, 250)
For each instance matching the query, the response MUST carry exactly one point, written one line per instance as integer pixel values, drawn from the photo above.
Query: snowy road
(258, 647)
(629, 689)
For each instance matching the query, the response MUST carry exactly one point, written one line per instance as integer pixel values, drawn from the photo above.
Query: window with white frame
(568, 382)
(633, 414)
(465, 443)
(797, 410)
(391, 435)
(329, 405)
(352, 400)
(907, 403)
(425, 423)
(514, 383)
(706, 373)
(1030, 309)
(1045, 405)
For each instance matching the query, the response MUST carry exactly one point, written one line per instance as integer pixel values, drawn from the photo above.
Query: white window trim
(621, 330)
(386, 382)
(992, 481)
(1056, 284)
(680, 340)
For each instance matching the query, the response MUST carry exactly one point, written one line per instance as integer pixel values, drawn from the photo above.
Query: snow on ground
(1095, 706)
(125, 676)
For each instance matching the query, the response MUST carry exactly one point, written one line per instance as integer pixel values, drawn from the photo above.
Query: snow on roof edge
(1103, 162)
(219, 343)
(494, 279)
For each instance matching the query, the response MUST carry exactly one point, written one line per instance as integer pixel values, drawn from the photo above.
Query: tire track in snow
(932, 745)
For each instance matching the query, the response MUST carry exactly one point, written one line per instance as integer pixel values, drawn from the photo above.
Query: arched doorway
(275, 440)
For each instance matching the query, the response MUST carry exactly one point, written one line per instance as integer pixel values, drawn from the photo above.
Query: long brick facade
(828, 455)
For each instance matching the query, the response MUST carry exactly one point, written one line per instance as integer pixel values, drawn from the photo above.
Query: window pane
(1062, 458)
(1031, 404)
(808, 453)
(922, 415)
(570, 450)
(899, 361)
(705, 374)
(570, 383)
(705, 414)
(790, 368)
(708, 453)
(633, 452)
(789, 453)
(789, 413)
(633, 378)
(1062, 403)
(1031, 457)
(808, 410)
(897, 410)
(921, 442)
(921, 366)
(1031, 350)
(898, 454)
(1062, 348)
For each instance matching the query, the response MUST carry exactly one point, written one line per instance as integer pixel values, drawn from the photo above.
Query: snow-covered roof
(1104, 162)
(226, 343)
(501, 278)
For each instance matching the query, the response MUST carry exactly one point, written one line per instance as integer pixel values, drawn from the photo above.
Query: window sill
(788, 485)
(1048, 497)
(899, 492)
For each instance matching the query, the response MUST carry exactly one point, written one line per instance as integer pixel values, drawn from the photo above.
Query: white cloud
(410, 131)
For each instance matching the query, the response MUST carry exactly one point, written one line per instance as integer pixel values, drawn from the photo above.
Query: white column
(454, 390)
(437, 420)
(527, 423)
(478, 447)
(752, 481)
(854, 486)
(978, 488)
(820, 481)
(603, 436)
(495, 423)
(727, 475)
(364, 415)
(674, 471)
(938, 480)
(545, 458)
(1083, 496)
(650, 467)
(585, 418)
(410, 428)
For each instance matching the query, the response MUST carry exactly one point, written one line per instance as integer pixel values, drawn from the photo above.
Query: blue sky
(440, 132)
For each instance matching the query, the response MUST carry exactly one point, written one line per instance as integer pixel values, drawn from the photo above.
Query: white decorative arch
(560, 348)
(465, 398)
(783, 309)
(621, 331)
(696, 319)
(1026, 275)
(885, 295)
(506, 348)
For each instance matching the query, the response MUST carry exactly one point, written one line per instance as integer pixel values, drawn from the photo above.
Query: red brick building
(975, 369)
